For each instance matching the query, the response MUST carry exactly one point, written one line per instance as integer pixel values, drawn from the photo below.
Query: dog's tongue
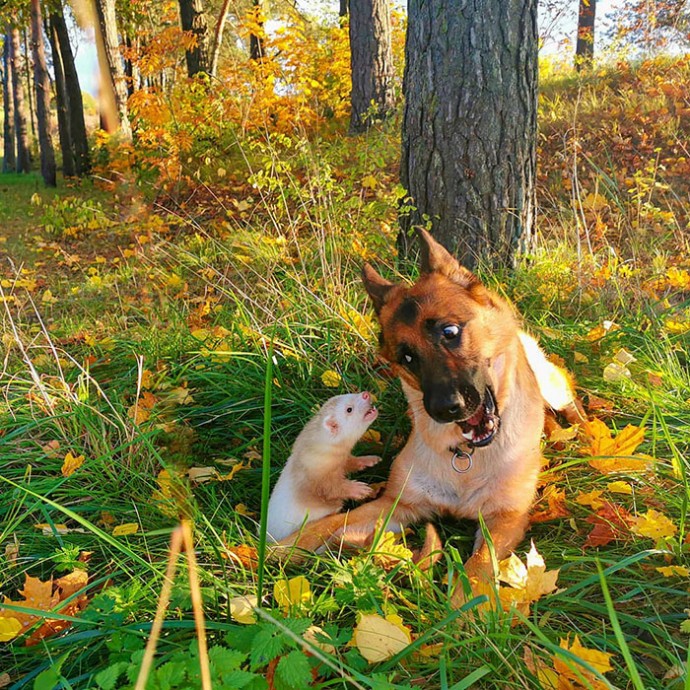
(476, 417)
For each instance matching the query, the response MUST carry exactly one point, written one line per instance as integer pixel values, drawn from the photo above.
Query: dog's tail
(555, 384)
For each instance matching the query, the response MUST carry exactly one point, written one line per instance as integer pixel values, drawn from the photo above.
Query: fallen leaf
(654, 525)
(292, 593)
(555, 499)
(242, 609)
(9, 628)
(388, 553)
(201, 475)
(245, 555)
(611, 455)
(591, 499)
(71, 464)
(600, 661)
(317, 636)
(674, 571)
(378, 638)
(611, 523)
(619, 487)
(126, 529)
(531, 576)
(560, 434)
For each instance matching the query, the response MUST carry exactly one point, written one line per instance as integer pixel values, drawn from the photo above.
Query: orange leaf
(600, 661)
(71, 464)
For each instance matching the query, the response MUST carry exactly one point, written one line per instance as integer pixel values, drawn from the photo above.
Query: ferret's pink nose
(366, 395)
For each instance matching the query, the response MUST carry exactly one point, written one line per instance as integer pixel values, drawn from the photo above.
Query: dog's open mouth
(481, 427)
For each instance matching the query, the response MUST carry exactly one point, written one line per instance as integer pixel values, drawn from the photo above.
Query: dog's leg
(356, 527)
(507, 530)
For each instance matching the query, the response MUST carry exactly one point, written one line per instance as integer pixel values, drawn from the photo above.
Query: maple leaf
(654, 525)
(611, 522)
(388, 553)
(555, 499)
(530, 578)
(599, 661)
(71, 464)
(615, 454)
(379, 638)
(591, 499)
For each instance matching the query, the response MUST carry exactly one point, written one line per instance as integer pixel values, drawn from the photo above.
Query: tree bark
(21, 126)
(193, 18)
(584, 49)
(470, 124)
(42, 84)
(62, 103)
(371, 58)
(29, 89)
(9, 158)
(77, 124)
(218, 36)
(114, 110)
(344, 8)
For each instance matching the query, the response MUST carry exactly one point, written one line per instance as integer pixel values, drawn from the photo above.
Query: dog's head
(446, 336)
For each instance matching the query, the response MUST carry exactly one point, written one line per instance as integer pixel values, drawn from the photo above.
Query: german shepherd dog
(476, 387)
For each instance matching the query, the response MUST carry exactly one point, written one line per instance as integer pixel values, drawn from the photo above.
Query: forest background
(180, 290)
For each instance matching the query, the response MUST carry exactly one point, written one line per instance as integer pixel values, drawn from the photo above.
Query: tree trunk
(371, 57)
(9, 158)
(42, 84)
(62, 102)
(470, 124)
(218, 36)
(584, 49)
(29, 89)
(344, 8)
(113, 81)
(256, 40)
(193, 17)
(77, 125)
(21, 126)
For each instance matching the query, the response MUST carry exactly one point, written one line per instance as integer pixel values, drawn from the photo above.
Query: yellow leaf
(242, 609)
(600, 661)
(674, 571)
(293, 592)
(369, 182)
(559, 435)
(371, 436)
(331, 379)
(387, 553)
(71, 464)
(530, 577)
(315, 635)
(241, 465)
(242, 509)
(9, 628)
(378, 638)
(47, 297)
(591, 499)
(625, 443)
(50, 530)
(126, 529)
(619, 487)
(654, 525)
(614, 372)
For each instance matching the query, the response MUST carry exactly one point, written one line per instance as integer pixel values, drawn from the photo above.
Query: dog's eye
(451, 331)
(349, 410)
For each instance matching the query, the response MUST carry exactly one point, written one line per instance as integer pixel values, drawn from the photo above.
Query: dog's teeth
(469, 435)
(490, 423)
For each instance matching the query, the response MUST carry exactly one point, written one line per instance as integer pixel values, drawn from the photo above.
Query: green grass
(197, 306)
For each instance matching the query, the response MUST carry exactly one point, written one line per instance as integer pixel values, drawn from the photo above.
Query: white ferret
(313, 482)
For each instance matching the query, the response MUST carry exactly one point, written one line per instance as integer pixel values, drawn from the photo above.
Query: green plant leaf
(107, 678)
(293, 672)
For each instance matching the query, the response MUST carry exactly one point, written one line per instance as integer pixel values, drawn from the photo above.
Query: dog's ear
(376, 286)
(436, 258)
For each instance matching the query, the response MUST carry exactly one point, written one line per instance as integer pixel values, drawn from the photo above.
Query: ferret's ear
(331, 424)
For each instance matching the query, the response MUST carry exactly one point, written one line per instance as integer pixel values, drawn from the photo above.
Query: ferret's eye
(349, 410)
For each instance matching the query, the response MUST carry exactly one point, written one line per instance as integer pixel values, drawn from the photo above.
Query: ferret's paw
(367, 461)
(358, 491)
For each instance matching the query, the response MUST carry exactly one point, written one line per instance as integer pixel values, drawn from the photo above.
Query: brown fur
(501, 484)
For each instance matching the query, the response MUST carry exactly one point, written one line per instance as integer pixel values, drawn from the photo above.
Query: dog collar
(466, 455)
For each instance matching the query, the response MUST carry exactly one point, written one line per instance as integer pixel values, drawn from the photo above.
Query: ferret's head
(347, 417)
